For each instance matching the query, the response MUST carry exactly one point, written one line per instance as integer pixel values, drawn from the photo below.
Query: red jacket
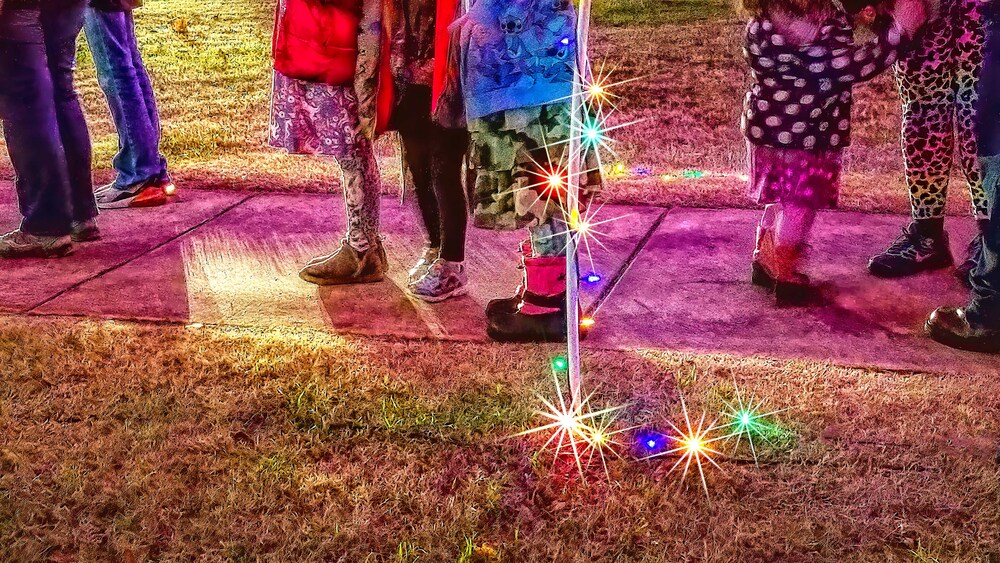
(317, 41)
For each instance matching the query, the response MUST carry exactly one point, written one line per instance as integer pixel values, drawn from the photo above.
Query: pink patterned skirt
(801, 177)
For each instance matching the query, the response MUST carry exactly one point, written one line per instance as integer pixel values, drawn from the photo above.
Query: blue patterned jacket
(516, 54)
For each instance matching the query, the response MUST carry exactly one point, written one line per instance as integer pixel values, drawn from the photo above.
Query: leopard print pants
(937, 82)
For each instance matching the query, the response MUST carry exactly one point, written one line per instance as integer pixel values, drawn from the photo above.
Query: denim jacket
(516, 54)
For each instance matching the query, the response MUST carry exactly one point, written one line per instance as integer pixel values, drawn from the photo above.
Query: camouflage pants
(515, 155)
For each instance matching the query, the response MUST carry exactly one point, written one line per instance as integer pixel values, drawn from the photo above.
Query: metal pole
(574, 176)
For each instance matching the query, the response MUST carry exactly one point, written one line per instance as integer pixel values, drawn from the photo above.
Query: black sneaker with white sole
(911, 254)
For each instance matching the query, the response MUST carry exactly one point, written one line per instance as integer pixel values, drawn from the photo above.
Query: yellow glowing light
(577, 429)
(619, 168)
(555, 181)
(587, 323)
(694, 449)
(170, 189)
(597, 93)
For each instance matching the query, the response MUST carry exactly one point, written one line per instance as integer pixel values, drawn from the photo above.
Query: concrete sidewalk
(672, 279)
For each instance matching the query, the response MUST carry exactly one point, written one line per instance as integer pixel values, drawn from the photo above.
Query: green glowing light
(559, 363)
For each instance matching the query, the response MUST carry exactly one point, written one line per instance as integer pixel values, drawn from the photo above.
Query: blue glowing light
(592, 278)
(650, 442)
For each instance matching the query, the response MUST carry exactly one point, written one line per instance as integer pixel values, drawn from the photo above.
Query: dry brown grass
(136, 442)
(210, 62)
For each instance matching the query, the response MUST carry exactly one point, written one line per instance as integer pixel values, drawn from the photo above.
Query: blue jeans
(985, 307)
(125, 82)
(43, 124)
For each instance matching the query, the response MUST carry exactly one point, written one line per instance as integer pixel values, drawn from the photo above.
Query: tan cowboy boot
(348, 266)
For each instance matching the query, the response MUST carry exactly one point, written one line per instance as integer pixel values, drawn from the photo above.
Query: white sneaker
(422, 266)
(443, 280)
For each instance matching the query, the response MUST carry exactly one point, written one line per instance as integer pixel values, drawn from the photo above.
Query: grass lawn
(136, 442)
(211, 64)
(131, 443)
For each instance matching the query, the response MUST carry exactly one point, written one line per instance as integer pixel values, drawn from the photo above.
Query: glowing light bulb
(555, 181)
(587, 322)
(559, 363)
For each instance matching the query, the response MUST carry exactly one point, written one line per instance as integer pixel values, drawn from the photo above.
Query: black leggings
(434, 156)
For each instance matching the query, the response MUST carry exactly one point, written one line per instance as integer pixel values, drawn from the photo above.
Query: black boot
(539, 313)
(923, 246)
(950, 326)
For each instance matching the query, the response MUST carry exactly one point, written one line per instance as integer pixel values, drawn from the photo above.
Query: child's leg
(794, 224)
(361, 195)
(927, 85)
(413, 121)
(549, 238)
(969, 64)
(448, 151)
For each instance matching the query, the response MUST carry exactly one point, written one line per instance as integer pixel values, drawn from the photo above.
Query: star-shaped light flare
(693, 446)
(579, 430)
(747, 419)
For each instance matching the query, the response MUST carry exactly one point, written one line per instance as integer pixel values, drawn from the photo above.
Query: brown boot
(347, 266)
(776, 268)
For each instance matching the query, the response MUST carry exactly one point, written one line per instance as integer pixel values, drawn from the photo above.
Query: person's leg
(449, 149)
(149, 95)
(434, 159)
(926, 80)
(361, 196)
(977, 326)
(985, 307)
(62, 27)
(413, 121)
(30, 126)
(111, 36)
(361, 257)
(969, 64)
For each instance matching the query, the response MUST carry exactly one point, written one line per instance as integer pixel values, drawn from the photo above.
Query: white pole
(575, 175)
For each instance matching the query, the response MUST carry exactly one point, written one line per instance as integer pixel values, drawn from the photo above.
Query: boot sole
(793, 295)
(949, 339)
(324, 282)
(86, 237)
(512, 339)
(760, 278)
(44, 254)
(880, 271)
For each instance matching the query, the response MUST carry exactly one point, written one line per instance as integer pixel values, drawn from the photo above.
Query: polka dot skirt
(801, 97)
